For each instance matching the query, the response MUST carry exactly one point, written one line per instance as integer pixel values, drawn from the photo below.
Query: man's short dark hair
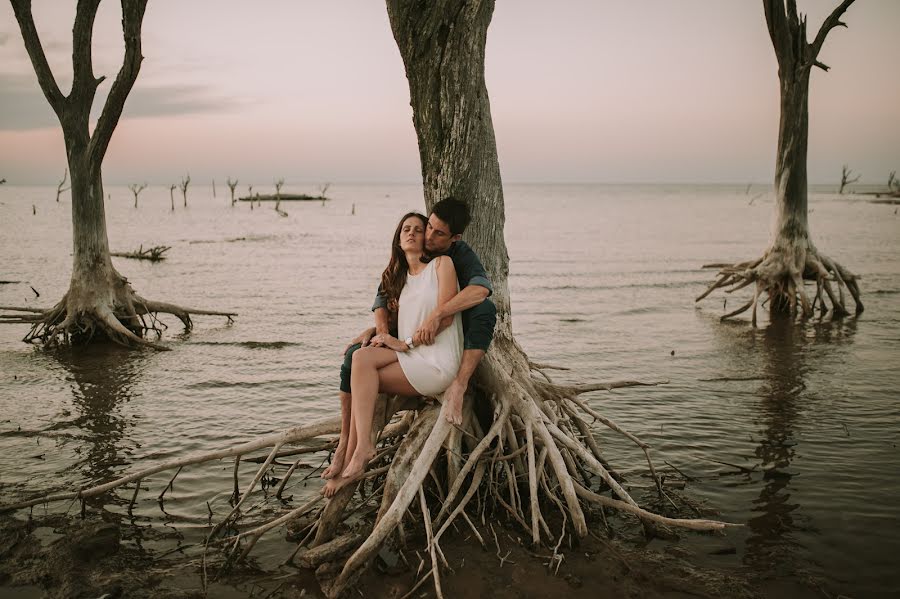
(453, 212)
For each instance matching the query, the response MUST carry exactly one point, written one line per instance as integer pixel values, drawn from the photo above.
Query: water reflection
(102, 380)
(788, 354)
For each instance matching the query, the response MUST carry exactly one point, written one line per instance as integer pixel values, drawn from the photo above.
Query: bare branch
(132, 19)
(22, 10)
(84, 85)
(833, 20)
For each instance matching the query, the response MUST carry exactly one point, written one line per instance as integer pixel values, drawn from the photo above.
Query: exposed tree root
(538, 458)
(109, 310)
(778, 277)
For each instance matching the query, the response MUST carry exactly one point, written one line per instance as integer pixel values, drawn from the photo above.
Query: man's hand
(453, 397)
(427, 331)
(363, 339)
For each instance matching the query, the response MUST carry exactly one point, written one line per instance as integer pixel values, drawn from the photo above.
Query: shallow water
(602, 280)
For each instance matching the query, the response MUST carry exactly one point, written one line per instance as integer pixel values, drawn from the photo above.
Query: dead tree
(214, 187)
(278, 185)
(250, 195)
(231, 186)
(845, 178)
(172, 195)
(136, 190)
(184, 187)
(61, 187)
(891, 179)
(791, 258)
(100, 302)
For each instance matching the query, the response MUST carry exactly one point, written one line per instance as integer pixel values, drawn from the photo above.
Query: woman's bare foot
(358, 462)
(337, 483)
(337, 463)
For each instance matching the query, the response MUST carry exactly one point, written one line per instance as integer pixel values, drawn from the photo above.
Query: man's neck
(428, 256)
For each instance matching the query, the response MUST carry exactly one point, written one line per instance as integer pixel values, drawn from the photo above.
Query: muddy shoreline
(60, 556)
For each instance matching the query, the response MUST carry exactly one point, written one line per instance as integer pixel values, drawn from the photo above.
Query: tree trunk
(791, 257)
(443, 47)
(442, 44)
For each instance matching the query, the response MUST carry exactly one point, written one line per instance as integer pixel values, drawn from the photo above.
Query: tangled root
(530, 457)
(779, 279)
(80, 318)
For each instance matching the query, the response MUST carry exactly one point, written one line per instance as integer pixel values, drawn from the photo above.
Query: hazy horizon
(580, 93)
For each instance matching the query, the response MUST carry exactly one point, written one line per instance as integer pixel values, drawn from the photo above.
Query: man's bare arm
(469, 297)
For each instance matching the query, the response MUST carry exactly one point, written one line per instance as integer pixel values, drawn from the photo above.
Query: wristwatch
(409, 342)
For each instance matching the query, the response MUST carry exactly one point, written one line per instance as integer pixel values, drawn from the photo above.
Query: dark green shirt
(469, 271)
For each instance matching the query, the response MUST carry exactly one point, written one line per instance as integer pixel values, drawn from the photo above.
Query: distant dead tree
(845, 178)
(184, 187)
(136, 190)
(61, 187)
(250, 195)
(891, 179)
(278, 185)
(214, 188)
(172, 195)
(231, 186)
(100, 303)
(792, 257)
(323, 189)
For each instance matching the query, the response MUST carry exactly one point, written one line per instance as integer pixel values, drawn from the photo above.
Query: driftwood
(285, 197)
(154, 254)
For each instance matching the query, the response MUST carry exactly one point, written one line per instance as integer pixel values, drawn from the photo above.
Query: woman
(415, 288)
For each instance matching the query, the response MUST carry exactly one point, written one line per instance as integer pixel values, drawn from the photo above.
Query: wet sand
(66, 556)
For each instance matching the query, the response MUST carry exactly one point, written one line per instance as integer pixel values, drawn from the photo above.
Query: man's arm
(439, 318)
(475, 284)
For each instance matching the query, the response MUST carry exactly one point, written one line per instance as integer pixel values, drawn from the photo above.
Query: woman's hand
(390, 342)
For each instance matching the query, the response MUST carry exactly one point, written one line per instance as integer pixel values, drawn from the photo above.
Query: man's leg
(478, 327)
(337, 462)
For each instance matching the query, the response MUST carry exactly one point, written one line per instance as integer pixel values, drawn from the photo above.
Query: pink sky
(582, 91)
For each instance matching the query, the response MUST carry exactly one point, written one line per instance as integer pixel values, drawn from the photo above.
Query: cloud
(24, 106)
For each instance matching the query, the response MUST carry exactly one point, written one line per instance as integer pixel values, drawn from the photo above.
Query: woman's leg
(366, 381)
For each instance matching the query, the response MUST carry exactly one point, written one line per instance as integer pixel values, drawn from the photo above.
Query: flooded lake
(603, 280)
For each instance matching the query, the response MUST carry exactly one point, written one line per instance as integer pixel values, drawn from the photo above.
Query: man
(443, 236)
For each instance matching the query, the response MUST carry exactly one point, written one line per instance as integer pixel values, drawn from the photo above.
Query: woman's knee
(364, 357)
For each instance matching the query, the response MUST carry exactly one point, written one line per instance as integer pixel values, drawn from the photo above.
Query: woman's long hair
(394, 276)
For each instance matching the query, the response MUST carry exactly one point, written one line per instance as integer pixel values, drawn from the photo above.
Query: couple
(433, 324)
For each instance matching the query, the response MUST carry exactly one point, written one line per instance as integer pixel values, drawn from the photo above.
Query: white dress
(429, 368)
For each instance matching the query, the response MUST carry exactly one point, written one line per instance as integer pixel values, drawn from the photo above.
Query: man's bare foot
(358, 462)
(453, 397)
(337, 463)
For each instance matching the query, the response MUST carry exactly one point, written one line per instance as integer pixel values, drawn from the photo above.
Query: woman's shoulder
(443, 263)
